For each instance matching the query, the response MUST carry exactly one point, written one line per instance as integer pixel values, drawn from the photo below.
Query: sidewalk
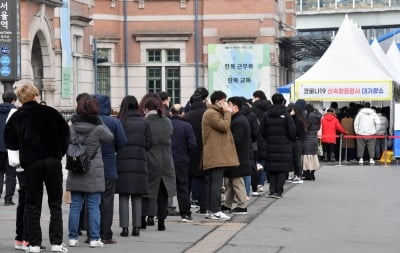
(347, 209)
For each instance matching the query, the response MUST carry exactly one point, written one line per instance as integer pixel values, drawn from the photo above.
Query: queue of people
(150, 152)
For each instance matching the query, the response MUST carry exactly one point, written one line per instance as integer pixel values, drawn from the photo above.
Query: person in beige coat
(219, 151)
(348, 124)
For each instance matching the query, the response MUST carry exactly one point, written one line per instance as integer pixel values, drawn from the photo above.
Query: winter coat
(132, 158)
(366, 122)
(348, 125)
(109, 150)
(330, 124)
(194, 117)
(38, 132)
(241, 134)
(91, 131)
(254, 133)
(183, 141)
(383, 125)
(278, 129)
(310, 139)
(159, 157)
(259, 108)
(218, 145)
(4, 110)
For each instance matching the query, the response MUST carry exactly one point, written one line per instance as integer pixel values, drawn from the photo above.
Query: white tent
(348, 71)
(393, 55)
(383, 59)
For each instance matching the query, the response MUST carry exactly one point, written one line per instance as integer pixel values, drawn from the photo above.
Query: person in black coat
(260, 106)
(132, 171)
(278, 129)
(254, 132)
(41, 135)
(235, 189)
(183, 143)
(194, 117)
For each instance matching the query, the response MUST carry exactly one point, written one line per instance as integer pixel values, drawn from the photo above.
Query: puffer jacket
(366, 122)
(330, 124)
(383, 125)
(94, 132)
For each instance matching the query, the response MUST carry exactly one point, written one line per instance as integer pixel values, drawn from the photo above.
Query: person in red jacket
(330, 124)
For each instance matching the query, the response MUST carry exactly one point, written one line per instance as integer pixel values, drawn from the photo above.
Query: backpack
(77, 160)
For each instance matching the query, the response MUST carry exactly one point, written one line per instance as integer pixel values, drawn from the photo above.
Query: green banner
(238, 69)
(66, 73)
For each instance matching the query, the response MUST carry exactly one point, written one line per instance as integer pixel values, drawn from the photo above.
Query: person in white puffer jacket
(366, 124)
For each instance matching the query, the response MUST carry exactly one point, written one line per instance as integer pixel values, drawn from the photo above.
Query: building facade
(136, 46)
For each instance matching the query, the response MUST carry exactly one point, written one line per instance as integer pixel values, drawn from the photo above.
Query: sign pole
(10, 43)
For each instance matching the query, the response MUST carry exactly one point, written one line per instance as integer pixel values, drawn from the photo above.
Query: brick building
(144, 45)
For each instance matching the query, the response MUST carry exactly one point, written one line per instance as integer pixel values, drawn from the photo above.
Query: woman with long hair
(310, 143)
(160, 164)
(132, 171)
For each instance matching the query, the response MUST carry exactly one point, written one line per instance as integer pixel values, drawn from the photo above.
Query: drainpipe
(95, 64)
(196, 41)
(126, 49)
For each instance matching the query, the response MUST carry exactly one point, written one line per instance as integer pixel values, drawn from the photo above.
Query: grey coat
(94, 132)
(310, 139)
(159, 158)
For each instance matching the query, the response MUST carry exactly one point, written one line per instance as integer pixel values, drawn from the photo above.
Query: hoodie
(108, 151)
(366, 122)
(4, 110)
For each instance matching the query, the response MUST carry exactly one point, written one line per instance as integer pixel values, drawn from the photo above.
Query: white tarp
(393, 55)
(348, 71)
(378, 51)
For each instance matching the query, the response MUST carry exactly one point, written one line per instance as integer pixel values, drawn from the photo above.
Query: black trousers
(182, 189)
(214, 181)
(11, 177)
(276, 182)
(198, 188)
(297, 152)
(21, 230)
(159, 206)
(107, 210)
(47, 171)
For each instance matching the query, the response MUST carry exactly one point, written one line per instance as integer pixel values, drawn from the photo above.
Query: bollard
(340, 150)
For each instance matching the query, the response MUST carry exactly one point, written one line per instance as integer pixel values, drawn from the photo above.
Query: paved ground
(347, 209)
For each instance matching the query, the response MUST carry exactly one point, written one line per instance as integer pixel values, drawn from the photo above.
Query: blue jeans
(247, 185)
(93, 205)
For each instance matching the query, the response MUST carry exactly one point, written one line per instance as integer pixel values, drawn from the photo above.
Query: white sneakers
(371, 161)
(59, 248)
(96, 244)
(259, 167)
(297, 180)
(73, 242)
(219, 216)
(361, 161)
(34, 249)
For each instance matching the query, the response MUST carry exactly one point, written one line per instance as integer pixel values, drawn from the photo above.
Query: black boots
(135, 231)
(144, 223)
(312, 175)
(333, 157)
(306, 175)
(150, 220)
(161, 225)
(125, 232)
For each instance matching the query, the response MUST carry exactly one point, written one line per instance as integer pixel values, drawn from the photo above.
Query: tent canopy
(348, 71)
(286, 88)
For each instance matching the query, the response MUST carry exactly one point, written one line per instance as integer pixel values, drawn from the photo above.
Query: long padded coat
(278, 129)
(132, 158)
